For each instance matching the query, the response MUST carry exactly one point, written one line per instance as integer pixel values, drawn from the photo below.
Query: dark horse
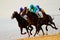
(32, 18)
(22, 23)
(38, 22)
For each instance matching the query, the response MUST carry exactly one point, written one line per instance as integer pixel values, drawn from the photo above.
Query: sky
(9, 29)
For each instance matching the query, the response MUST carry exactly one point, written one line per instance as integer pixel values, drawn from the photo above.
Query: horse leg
(46, 30)
(42, 31)
(38, 29)
(21, 31)
(54, 25)
(35, 32)
(51, 26)
(28, 32)
(30, 29)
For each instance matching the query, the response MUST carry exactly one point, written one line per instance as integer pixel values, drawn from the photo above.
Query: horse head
(25, 11)
(14, 14)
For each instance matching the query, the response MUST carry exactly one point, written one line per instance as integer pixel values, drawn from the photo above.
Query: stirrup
(40, 17)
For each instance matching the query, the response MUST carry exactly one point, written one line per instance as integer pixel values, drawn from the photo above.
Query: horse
(38, 22)
(48, 21)
(32, 19)
(22, 23)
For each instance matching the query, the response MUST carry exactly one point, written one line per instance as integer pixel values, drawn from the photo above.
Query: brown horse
(22, 23)
(38, 22)
(32, 19)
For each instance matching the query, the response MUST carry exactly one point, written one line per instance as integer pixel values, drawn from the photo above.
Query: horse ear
(26, 11)
(14, 11)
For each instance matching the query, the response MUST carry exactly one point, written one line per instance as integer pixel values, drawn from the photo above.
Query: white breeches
(39, 13)
(25, 17)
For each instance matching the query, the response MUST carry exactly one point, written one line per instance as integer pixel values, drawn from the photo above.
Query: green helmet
(31, 6)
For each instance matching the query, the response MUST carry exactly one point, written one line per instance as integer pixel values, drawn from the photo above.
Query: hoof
(31, 33)
(23, 33)
(46, 33)
(56, 28)
(43, 34)
(28, 34)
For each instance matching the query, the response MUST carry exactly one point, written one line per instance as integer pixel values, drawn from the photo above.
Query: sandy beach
(47, 37)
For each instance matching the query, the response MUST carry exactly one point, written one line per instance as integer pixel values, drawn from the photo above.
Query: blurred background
(9, 29)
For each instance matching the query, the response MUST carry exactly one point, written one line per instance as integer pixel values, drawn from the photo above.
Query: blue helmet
(21, 9)
(38, 7)
(31, 6)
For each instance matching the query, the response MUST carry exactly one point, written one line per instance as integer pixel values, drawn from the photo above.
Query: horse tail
(50, 18)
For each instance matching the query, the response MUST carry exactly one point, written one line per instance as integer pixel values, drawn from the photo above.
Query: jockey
(39, 11)
(23, 13)
(33, 8)
(21, 9)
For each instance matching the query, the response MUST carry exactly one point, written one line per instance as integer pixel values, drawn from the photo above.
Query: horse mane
(32, 17)
(31, 14)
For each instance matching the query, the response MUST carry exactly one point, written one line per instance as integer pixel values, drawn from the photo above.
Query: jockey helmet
(25, 7)
(21, 9)
(31, 6)
(38, 7)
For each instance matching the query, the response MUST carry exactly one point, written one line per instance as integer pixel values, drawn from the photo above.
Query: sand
(46, 37)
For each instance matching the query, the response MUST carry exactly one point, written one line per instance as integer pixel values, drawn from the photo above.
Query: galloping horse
(22, 23)
(38, 22)
(32, 18)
